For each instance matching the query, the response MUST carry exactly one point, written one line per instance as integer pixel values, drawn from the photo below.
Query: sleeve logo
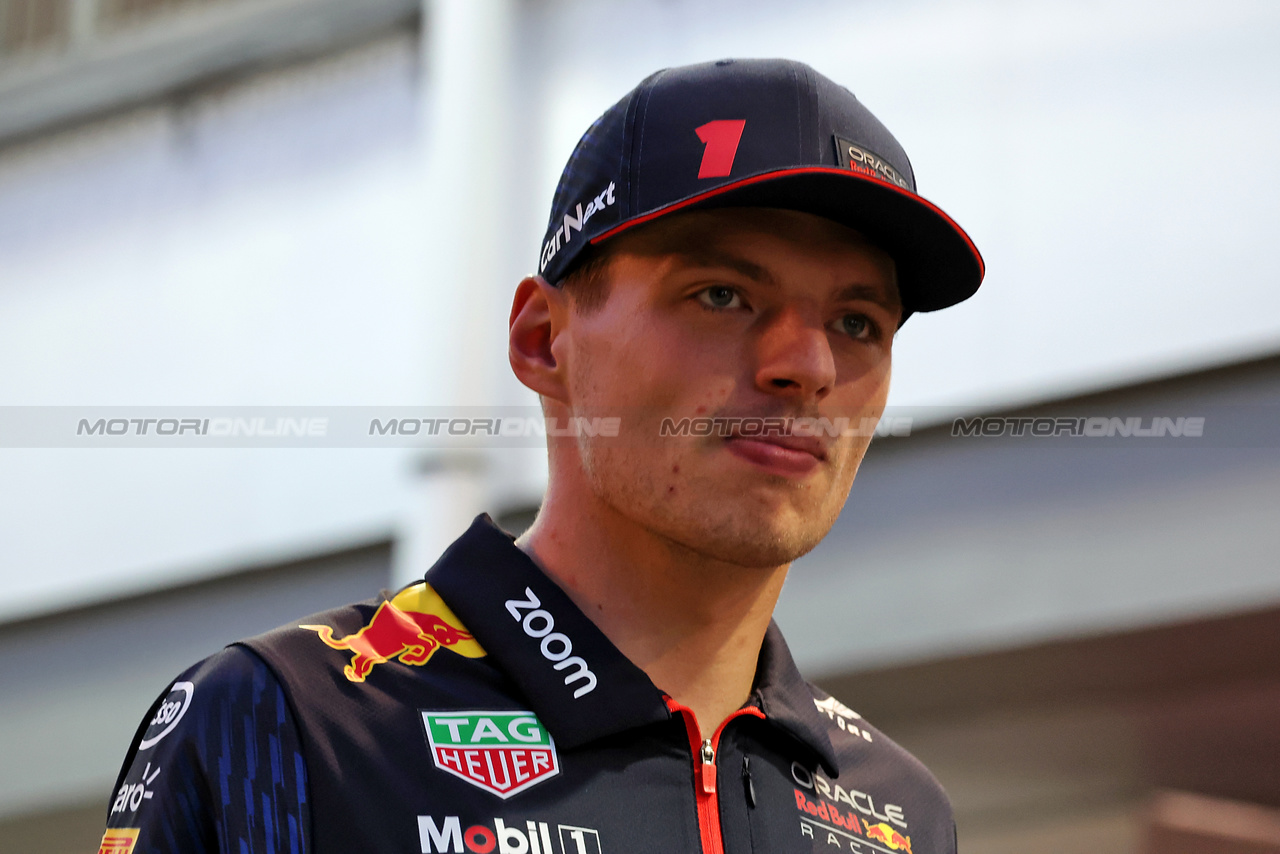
(175, 705)
(131, 795)
(118, 840)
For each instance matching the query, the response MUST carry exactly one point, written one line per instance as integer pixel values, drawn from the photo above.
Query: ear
(537, 317)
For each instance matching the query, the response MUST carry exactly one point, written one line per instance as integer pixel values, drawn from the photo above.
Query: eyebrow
(870, 293)
(708, 257)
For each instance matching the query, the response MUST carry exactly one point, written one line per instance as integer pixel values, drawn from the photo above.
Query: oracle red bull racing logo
(840, 827)
(847, 819)
(409, 628)
(500, 752)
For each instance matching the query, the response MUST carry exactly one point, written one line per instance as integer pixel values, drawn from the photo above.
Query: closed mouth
(807, 444)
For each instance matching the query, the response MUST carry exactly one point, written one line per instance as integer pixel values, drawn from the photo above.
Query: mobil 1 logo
(448, 835)
(501, 752)
(578, 840)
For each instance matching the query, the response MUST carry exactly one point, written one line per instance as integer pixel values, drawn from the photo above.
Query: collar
(787, 700)
(576, 681)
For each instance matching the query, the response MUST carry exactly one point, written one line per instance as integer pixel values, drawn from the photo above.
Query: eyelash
(707, 290)
(872, 328)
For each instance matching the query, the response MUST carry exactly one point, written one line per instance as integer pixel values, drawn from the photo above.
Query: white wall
(271, 242)
(261, 244)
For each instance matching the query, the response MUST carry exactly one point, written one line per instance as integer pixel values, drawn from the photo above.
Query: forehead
(758, 233)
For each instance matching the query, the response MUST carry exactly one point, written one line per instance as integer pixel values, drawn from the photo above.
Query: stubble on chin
(704, 518)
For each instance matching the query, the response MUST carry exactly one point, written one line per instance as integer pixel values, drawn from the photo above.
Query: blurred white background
(321, 203)
(295, 237)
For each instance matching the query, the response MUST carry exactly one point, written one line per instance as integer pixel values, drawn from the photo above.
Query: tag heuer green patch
(501, 752)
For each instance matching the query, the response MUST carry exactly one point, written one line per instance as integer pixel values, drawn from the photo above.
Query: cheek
(646, 369)
(595, 371)
(865, 390)
(865, 403)
(874, 383)
(880, 393)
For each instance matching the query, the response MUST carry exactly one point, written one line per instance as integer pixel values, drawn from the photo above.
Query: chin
(724, 519)
(748, 538)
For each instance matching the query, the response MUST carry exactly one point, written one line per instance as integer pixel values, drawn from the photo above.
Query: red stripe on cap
(802, 170)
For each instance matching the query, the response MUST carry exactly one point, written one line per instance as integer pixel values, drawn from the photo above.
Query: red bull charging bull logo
(409, 628)
(882, 832)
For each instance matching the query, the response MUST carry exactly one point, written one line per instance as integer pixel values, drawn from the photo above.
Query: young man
(732, 248)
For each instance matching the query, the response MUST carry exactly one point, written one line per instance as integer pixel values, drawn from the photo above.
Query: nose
(794, 357)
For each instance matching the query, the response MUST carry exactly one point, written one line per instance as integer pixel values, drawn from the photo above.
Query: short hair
(587, 282)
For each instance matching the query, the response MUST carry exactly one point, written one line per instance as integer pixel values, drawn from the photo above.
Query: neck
(692, 623)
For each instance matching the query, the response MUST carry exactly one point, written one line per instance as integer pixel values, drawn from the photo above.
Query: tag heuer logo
(501, 752)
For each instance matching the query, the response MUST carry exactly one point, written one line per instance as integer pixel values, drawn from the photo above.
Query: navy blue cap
(761, 133)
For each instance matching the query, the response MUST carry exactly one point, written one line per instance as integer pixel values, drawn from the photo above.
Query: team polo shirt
(481, 711)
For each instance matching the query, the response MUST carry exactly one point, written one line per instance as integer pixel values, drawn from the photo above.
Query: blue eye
(719, 296)
(855, 326)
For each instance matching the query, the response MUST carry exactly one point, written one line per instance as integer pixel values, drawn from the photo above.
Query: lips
(807, 444)
(784, 455)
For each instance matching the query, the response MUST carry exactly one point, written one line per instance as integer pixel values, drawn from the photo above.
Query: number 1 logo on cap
(721, 139)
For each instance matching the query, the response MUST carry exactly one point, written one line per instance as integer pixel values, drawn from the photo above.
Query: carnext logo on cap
(572, 223)
(866, 162)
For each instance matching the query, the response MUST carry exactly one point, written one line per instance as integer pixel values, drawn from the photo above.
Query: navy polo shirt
(481, 711)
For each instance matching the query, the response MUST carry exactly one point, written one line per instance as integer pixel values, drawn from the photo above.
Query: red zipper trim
(704, 774)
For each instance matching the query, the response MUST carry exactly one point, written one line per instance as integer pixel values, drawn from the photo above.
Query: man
(731, 250)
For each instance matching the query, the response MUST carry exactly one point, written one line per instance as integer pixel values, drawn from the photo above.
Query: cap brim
(938, 265)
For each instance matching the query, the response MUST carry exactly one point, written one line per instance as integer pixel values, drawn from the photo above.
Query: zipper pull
(708, 767)
(748, 787)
